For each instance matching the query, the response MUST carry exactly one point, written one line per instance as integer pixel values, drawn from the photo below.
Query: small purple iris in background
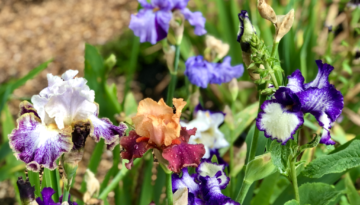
(205, 185)
(151, 23)
(201, 72)
(284, 114)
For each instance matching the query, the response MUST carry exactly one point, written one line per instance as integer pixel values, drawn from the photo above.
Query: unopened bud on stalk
(229, 118)
(215, 48)
(92, 186)
(26, 191)
(234, 88)
(283, 25)
(169, 56)
(177, 25)
(194, 98)
(110, 62)
(245, 38)
(266, 11)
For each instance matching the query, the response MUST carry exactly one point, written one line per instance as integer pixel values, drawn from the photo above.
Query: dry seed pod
(266, 11)
(283, 25)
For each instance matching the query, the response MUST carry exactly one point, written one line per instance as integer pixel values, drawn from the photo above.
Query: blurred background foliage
(140, 71)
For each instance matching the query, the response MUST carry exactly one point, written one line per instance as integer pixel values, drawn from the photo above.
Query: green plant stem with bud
(245, 186)
(172, 84)
(169, 193)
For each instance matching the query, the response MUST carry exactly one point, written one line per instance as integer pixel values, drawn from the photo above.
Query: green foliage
(259, 168)
(336, 162)
(317, 193)
(292, 202)
(351, 191)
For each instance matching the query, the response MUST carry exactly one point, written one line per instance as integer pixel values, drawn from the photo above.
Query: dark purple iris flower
(284, 114)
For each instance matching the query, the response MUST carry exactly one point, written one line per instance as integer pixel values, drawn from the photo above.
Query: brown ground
(33, 31)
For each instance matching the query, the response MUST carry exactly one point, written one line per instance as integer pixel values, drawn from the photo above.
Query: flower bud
(169, 56)
(27, 192)
(266, 11)
(177, 25)
(283, 25)
(229, 118)
(216, 48)
(259, 168)
(110, 62)
(234, 88)
(181, 196)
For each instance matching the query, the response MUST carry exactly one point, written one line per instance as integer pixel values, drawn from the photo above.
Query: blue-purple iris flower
(284, 114)
(201, 72)
(204, 186)
(151, 23)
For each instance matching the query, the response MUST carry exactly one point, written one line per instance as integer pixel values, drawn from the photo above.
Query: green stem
(120, 175)
(254, 141)
(65, 195)
(243, 191)
(172, 85)
(35, 181)
(273, 78)
(274, 49)
(294, 179)
(51, 181)
(169, 193)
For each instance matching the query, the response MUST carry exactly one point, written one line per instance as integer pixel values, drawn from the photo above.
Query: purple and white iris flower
(205, 185)
(47, 193)
(207, 133)
(152, 22)
(45, 127)
(201, 72)
(284, 114)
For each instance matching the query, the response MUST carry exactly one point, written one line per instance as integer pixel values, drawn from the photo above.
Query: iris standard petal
(36, 144)
(103, 128)
(195, 19)
(322, 76)
(325, 104)
(69, 74)
(296, 82)
(277, 122)
(199, 71)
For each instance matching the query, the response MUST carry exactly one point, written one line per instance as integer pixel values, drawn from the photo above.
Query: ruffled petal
(210, 187)
(26, 107)
(69, 74)
(195, 19)
(46, 193)
(34, 143)
(103, 128)
(296, 82)
(163, 4)
(214, 170)
(224, 72)
(322, 76)
(179, 4)
(286, 97)
(277, 122)
(149, 26)
(132, 149)
(184, 154)
(186, 180)
(199, 71)
(325, 104)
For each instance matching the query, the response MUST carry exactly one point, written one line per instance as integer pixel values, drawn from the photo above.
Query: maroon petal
(132, 149)
(184, 154)
(186, 134)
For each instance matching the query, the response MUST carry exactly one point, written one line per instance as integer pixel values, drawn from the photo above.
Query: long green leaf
(317, 193)
(335, 163)
(353, 195)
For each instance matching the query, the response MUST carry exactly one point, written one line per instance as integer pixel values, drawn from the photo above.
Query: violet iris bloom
(201, 72)
(284, 114)
(205, 185)
(151, 23)
(46, 194)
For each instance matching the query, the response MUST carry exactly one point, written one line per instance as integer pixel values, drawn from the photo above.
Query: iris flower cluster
(48, 127)
(284, 113)
(152, 22)
(204, 186)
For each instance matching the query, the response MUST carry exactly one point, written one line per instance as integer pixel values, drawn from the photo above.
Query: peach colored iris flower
(158, 122)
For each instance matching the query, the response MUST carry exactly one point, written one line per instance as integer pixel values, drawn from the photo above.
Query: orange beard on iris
(158, 122)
